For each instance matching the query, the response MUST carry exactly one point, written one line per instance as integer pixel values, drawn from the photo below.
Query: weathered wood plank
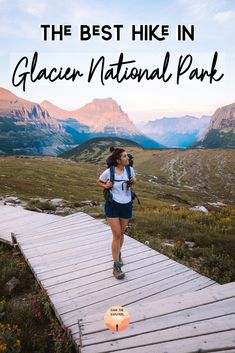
(132, 254)
(174, 304)
(144, 331)
(107, 283)
(47, 267)
(141, 294)
(170, 335)
(55, 238)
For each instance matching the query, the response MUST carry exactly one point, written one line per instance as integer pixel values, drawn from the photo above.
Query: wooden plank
(88, 271)
(146, 331)
(76, 248)
(16, 218)
(75, 254)
(103, 274)
(130, 255)
(88, 285)
(172, 335)
(75, 251)
(81, 236)
(48, 267)
(205, 304)
(60, 230)
(6, 209)
(70, 316)
(57, 237)
(21, 221)
(56, 224)
(82, 299)
(169, 305)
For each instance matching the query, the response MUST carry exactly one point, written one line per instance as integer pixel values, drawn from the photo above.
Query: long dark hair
(116, 154)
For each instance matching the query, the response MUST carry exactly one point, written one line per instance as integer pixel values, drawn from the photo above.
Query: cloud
(32, 7)
(224, 16)
(203, 9)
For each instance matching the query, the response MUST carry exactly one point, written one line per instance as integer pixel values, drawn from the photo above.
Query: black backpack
(107, 193)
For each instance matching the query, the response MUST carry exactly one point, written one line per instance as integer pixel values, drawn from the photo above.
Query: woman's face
(124, 160)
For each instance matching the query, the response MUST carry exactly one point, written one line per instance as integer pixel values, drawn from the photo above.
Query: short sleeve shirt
(119, 194)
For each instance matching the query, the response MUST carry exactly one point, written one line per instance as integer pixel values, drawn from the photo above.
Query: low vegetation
(27, 322)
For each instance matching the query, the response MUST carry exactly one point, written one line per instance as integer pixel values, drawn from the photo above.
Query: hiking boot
(120, 259)
(117, 271)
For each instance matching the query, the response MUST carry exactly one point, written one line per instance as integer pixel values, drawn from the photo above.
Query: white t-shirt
(119, 195)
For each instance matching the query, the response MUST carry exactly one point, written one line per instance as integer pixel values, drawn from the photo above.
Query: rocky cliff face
(28, 128)
(26, 112)
(101, 115)
(223, 119)
(221, 130)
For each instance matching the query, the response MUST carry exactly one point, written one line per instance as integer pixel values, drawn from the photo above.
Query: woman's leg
(117, 233)
(124, 223)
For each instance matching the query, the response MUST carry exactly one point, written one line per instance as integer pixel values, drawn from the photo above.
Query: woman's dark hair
(116, 154)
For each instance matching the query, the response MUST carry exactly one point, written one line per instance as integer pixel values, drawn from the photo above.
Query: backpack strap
(128, 170)
(112, 173)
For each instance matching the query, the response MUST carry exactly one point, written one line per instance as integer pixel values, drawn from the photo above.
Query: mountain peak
(108, 100)
(18, 108)
(5, 94)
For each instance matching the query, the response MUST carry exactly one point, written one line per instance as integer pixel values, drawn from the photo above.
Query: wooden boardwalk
(71, 258)
(181, 323)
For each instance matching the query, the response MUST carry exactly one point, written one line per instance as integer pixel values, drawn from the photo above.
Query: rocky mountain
(26, 127)
(176, 132)
(221, 130)
(30, 128)
(101, 117)
(26, 112)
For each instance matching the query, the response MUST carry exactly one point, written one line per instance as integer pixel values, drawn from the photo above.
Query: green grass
(214, 252)
(27, 322)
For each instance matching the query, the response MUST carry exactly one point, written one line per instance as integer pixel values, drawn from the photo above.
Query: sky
(214, 30)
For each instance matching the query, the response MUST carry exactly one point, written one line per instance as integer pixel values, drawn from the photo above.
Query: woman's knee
(117, 235)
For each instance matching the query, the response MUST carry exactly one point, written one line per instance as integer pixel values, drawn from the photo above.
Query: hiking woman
(119, 211)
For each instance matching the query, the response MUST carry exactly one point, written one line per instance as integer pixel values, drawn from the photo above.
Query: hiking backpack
(107, 193)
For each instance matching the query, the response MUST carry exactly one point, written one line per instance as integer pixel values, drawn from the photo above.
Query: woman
(119, 211)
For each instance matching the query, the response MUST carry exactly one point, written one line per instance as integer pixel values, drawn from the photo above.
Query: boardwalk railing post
(14, 242)
(80, 334)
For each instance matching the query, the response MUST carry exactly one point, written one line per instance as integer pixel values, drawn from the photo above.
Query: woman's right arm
(103, 184)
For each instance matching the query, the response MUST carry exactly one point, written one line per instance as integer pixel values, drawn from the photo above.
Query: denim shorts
(122, 210)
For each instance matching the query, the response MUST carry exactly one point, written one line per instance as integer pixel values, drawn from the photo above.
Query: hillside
(96, 150)
(172, 173)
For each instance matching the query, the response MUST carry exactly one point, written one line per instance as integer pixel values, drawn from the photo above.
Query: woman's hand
(108, 184)
(133, 180)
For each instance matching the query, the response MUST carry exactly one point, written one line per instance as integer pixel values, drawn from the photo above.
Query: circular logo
(116, 318)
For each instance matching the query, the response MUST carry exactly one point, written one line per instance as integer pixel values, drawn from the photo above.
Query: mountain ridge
(221, 130)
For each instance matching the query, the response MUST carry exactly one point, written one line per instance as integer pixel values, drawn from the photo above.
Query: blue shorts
(122, 210)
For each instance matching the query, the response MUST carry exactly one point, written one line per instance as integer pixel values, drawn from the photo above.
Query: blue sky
(214, 22)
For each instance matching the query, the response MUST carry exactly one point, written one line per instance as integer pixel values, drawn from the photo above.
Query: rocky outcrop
(26, 112)
(101, 115)
(221, 130)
